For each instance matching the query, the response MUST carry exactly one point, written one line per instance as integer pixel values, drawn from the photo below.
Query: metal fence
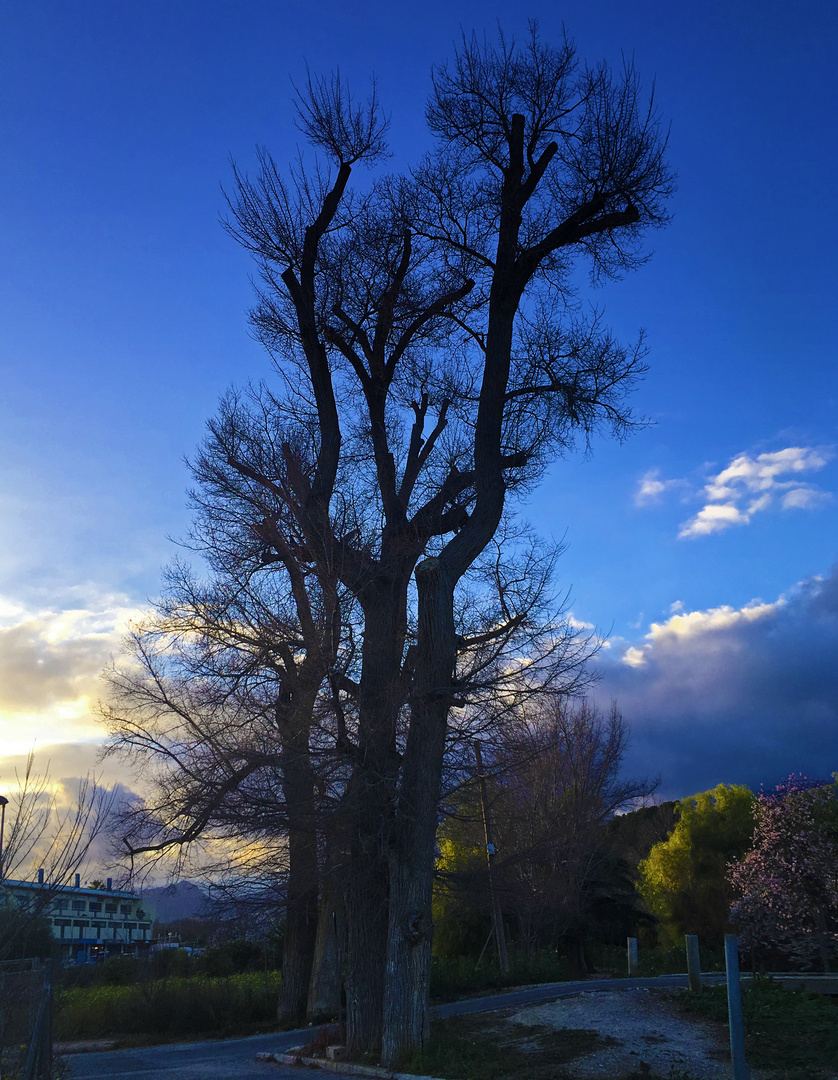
(25, 1020)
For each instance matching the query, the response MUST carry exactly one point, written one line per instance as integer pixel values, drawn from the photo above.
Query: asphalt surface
(234, 1059)
(220, 1059)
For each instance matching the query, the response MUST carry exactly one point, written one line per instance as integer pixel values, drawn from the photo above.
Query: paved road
(233, 1059)
(223, 1059)
(550, 991)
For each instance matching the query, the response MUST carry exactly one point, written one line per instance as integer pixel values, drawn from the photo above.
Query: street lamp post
(3, 803)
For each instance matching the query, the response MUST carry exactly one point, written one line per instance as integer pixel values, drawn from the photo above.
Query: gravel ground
(647, 1026)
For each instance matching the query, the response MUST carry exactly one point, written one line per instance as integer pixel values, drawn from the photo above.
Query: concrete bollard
(734, 1009)
(631, 952)
(693, 963)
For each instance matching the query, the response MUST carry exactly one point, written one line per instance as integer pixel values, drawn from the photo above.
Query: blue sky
(704, 546)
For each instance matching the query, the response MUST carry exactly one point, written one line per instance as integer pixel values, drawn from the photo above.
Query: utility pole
(497, 916)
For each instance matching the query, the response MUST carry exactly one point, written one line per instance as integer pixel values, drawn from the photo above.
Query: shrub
(119, 971)
(231, 958)
(168, 1007)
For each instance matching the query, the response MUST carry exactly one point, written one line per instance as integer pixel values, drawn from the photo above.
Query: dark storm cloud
(740, 696)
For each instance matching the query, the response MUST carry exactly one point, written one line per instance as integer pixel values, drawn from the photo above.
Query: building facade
(88, 923)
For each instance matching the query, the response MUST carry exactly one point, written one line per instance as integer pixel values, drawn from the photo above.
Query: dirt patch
(645, 1031)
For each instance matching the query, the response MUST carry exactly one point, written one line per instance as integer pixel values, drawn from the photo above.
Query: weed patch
(472, 1047)
(784, 1029)
(168, 1008)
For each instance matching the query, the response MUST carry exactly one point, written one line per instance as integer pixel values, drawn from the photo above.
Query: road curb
(342, 1066)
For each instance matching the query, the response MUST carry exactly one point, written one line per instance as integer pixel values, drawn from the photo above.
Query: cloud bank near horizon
(50, 667)
(744, 695)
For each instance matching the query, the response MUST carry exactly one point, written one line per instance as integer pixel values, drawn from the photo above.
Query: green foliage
(634, 834)
(461, 914)
(119, 971)
(233, 957)
(169, 1008)
(683, 881)
(170, 963)
(611, 960)
(459, 976)
(784, 1029)
(24, 934)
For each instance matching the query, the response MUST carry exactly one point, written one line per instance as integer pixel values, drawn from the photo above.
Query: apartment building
(88, 923)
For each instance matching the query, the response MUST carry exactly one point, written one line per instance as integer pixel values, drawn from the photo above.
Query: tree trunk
(303, 883)
(325, 990)
(366, 950)
(370, 803)
(300, 932)
(410, 935)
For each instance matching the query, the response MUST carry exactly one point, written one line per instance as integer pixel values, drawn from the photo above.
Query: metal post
(497, 915)
(693, 963)
(631, 952)
(734, 1009)
(3, 804)
(47, 1044)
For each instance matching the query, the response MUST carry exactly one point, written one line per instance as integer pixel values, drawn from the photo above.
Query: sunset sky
(704, 549)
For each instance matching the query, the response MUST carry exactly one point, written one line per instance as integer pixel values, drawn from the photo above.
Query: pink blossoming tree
(787, 884)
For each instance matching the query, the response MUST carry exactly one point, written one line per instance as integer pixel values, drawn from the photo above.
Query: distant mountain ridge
(180, 900)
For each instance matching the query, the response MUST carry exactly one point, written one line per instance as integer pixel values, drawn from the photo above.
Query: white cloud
(804, 498)
(712, 519)
(691, 624)
(50, 663)
(749, 485)
(650, 488)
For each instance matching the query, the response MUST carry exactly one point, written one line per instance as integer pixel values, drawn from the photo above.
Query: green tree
(26, 934)
(683, 881)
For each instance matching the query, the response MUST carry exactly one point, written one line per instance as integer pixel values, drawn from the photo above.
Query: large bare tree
(433, 358)
(430, 349)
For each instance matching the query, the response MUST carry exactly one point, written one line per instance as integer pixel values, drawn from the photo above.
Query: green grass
(169, 1008)
(784, 1029)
